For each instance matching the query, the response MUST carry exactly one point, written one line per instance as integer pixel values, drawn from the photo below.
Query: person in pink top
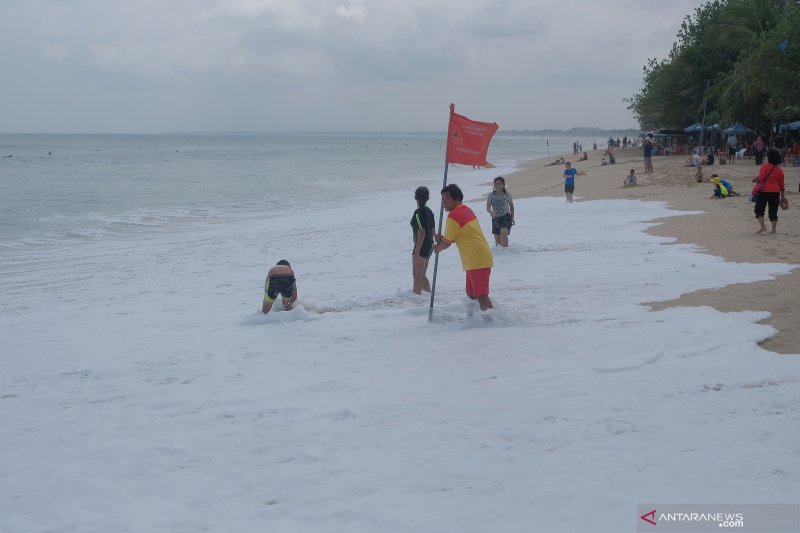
(770, 188)
(759, 145)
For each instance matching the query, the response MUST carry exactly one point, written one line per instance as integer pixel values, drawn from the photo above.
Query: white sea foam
(142, 389)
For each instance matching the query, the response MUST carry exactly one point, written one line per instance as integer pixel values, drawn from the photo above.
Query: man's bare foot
(762, 230)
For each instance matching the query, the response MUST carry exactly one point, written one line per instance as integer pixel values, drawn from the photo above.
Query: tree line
(733, 61)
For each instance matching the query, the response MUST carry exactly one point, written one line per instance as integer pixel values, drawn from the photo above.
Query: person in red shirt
(770, 188)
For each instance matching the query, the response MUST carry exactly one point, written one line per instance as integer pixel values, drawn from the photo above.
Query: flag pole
(441, 212)
(436, 259)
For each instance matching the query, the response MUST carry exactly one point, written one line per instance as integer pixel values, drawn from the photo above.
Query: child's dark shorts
(282, 284)
(503, 221)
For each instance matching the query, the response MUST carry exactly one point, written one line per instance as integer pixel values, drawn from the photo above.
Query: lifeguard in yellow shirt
(462, 228)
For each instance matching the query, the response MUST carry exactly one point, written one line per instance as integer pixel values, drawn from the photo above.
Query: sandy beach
(726, 228)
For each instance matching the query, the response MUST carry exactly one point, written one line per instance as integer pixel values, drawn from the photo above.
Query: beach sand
(727, 227)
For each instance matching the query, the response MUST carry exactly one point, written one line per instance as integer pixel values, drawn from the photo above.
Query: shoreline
(726, 227)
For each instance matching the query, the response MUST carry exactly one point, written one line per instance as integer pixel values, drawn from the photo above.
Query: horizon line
(321, 131)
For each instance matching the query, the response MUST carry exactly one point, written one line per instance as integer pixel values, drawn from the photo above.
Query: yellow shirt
(463, 229)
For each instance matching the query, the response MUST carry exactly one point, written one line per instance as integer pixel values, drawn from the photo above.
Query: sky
(147, 66)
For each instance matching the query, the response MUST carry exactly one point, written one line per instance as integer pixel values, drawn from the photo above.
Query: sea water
(64, 188)
(141, 388)
(62, 192)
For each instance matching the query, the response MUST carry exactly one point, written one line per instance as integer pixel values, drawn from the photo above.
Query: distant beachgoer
(698, 175)
(569, 180)
(760, 150)
(630, 179)
(584, 157)
(463, 229)
(595, 146)
(715, 178)
(648, 155)
(720, 190)
(500, 206)
(280, 280)
(422, 228)
(732, 143)
(770, 191)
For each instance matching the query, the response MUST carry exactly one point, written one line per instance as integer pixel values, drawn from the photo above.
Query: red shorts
(478, 282)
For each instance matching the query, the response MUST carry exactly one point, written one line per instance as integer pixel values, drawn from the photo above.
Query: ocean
(141, 388)
(63, 192)
(70, 188)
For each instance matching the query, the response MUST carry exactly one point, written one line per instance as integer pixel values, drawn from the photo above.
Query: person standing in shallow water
(569, 180)
(500, 206)
(422, 228)
(462, 228)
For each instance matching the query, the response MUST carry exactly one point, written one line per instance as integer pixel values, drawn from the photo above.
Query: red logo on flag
(468, 140)
(651, 515)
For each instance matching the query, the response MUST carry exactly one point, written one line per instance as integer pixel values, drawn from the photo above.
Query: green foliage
(726, 64)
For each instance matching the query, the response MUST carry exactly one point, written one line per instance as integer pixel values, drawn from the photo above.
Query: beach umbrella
(792, 126)
(738, 129)
(694, 128)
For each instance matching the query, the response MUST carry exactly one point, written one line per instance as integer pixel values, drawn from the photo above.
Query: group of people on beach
(768, 192)
(461, 228)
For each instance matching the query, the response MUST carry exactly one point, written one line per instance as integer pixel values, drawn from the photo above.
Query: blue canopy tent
(695, 128)
(792, 126)
(738, 129)
(704, 132)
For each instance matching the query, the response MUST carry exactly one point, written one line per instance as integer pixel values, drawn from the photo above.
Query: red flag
(468, 140)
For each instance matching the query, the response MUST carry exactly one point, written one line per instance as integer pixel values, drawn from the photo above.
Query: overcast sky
(149, 66)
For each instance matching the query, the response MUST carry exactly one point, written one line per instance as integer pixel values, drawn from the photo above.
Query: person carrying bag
(769, 191)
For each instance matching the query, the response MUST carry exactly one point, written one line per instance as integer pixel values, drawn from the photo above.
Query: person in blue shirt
(569, 180)
(716, 180)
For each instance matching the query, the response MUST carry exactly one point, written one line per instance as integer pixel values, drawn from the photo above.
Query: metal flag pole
(436, 259)
(479, 135)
